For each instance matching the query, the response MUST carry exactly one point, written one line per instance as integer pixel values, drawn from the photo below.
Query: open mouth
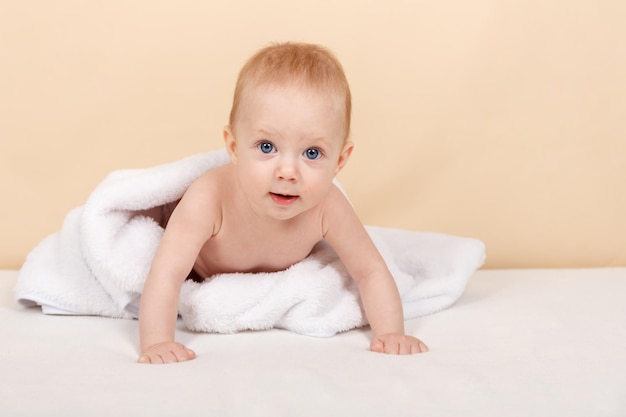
(283, 199)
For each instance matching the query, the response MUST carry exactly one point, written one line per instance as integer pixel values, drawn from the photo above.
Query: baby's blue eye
(266, 147)
(312, 153)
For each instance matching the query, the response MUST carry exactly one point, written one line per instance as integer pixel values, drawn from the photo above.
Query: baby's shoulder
(336, 198)
(210, 189)
(336, 205)
(212, 181)
(204, 200)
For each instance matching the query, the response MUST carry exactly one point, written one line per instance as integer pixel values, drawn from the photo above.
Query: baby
(264, 211)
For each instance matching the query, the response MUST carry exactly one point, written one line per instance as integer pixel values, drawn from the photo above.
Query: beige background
(500, 120)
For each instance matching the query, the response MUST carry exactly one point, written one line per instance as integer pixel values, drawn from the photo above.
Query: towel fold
(97, 263)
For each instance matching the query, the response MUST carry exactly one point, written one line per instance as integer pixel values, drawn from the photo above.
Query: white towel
(97, 263)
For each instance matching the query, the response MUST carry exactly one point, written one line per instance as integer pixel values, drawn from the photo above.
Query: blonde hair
(310, 65)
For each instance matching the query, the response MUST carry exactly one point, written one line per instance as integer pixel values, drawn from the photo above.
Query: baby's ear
(344, 156)
(231, 144)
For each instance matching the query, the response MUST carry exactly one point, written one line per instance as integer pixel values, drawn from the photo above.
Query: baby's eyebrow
(319, 141)
(264, 132)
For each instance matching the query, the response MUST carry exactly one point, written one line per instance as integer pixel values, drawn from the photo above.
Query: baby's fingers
(166, 353)
(398, 344)
(377, 346)
(420, 347)
(186, 355)
(404, 348)
(150, 358)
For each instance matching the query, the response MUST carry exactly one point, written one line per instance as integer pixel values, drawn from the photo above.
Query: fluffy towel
(97, 263)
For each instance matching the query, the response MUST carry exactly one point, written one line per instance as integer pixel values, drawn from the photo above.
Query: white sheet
(517, 343)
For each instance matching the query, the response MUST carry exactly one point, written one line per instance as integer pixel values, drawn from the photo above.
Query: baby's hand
(397, 344)
(166, 352)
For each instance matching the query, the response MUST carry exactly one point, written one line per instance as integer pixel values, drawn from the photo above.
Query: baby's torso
(241, 247)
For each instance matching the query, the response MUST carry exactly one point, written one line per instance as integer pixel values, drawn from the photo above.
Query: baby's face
(288, 145)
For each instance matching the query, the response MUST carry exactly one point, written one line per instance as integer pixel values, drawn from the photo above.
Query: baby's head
(294, 64)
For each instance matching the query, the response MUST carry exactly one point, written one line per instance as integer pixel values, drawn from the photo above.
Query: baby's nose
(287, 170)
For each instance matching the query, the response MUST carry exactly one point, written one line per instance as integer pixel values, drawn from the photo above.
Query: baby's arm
(377, 288)
(190, 226)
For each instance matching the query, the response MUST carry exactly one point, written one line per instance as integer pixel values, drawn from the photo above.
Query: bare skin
(265, 211)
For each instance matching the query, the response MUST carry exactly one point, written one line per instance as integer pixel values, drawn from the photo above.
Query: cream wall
(501, 120)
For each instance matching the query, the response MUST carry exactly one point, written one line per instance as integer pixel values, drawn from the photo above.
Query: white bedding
(517, 343)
